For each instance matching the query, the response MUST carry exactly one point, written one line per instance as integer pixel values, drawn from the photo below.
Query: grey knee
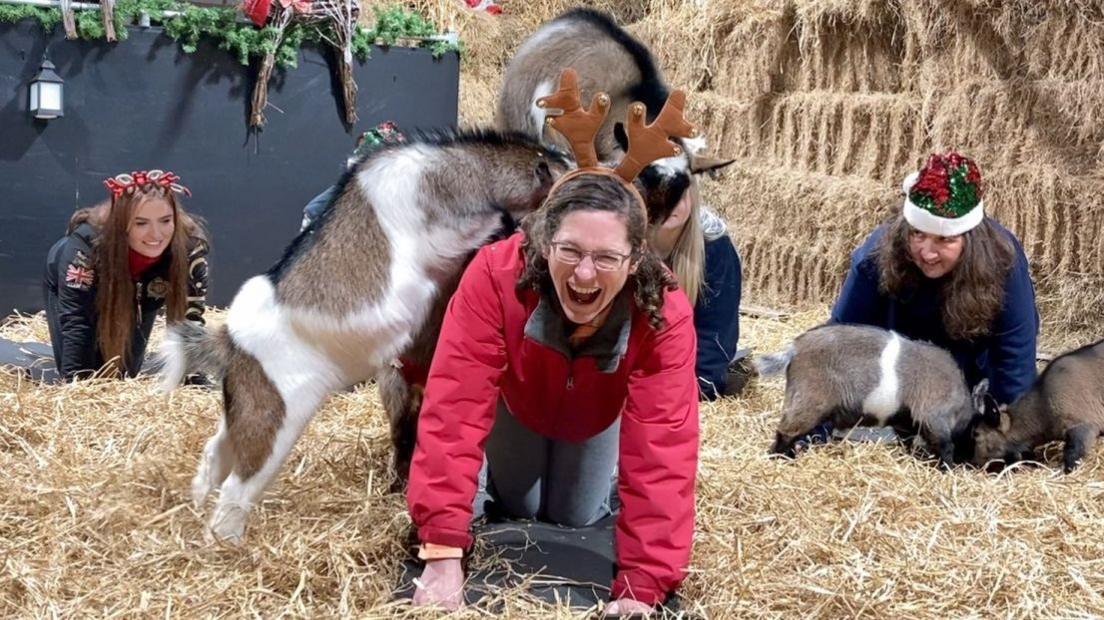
(516, 505)
(570, 514)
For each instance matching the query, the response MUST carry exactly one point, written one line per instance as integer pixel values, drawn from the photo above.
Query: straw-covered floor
(95, 518)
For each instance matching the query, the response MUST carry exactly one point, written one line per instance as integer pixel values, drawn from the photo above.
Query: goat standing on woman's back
(348, 296)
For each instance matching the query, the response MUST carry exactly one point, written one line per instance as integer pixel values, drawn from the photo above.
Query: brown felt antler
(577, 124)
(648, 143)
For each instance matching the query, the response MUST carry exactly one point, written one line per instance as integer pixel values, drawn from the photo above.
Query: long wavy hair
(687, 258)
(115, 289)
(594, 192)
(971, 295)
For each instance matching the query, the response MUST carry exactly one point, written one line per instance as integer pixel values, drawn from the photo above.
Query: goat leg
(1079, 440)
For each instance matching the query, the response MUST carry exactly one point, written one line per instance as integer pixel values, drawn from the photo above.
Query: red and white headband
(124, 183)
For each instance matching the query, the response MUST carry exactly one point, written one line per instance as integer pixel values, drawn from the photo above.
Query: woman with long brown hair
(941, 270)
(118, 264)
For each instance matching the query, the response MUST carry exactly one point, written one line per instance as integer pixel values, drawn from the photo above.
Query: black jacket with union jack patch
(70, 283)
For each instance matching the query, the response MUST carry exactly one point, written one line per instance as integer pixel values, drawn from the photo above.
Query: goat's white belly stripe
(884, 401)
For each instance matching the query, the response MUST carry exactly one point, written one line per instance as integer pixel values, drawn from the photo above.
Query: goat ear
(544, 173)
(700, 164)
(979, 393)
(620, 136)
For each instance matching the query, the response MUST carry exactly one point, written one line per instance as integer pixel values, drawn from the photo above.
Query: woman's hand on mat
(441, 584)
(626, 607)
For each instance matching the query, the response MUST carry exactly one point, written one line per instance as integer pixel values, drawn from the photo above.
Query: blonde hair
(687, 257)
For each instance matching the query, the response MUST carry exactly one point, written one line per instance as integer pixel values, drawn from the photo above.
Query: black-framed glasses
(603, 260)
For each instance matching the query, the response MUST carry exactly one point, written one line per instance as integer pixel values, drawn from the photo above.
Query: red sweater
(487, 350)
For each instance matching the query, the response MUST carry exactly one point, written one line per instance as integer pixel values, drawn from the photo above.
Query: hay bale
(796, 230)
(1016, 122)
(1066, 43)
(875, 136)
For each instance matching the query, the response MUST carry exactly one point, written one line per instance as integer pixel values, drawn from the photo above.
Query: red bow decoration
(484, 5)
(256, 10)
(121, 183)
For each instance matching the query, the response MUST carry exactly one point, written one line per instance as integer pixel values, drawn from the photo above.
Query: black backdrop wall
(142, 103)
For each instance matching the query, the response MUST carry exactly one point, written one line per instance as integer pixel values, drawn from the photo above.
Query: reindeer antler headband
(124, 183)
(647, 143)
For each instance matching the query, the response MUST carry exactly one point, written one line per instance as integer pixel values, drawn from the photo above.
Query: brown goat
(1066, 403)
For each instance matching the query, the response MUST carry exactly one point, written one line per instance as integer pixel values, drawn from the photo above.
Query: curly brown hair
(596, 192)
(972, 294)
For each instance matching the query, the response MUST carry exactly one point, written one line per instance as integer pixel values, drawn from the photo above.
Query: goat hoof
(227, 525)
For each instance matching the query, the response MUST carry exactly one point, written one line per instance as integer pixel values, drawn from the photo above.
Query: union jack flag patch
(78, 277)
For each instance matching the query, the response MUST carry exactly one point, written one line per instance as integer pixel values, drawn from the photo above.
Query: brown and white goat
(852, 374)
(350, 293)
(1066, 403)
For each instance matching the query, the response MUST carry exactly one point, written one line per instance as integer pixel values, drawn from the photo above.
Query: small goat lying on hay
(348, 296)
(1065, 403)
(859, 374)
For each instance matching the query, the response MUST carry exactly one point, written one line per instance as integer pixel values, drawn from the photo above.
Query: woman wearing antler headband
(567, 352)
(118, 264)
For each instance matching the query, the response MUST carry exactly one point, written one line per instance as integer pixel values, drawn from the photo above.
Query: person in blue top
(385, 133)
(694, 243)
(943, 271)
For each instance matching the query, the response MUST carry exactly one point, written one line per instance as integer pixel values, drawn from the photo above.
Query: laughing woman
(118, 264)
(566, 353)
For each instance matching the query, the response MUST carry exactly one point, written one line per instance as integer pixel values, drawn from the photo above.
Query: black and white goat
(852, 374)
(607, 59)
(351, 293)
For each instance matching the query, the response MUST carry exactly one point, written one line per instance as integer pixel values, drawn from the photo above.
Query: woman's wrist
(432, 551)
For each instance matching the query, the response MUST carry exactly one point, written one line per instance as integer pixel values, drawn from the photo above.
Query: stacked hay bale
(828, 104)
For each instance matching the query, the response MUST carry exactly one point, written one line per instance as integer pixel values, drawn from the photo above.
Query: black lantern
(47, 92)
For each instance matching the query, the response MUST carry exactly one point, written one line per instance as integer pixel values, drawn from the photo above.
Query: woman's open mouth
(583, 295)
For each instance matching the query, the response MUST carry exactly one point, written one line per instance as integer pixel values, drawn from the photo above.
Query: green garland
(242, 39)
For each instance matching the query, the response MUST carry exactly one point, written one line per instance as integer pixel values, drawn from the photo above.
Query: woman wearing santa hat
(942, 270)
